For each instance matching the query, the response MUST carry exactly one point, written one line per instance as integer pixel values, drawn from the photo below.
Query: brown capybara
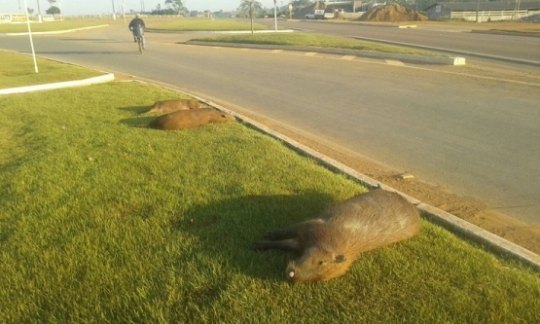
(183, 119)
(327, 246)
(168, 106)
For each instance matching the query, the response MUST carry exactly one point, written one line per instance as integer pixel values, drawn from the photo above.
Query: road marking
(394, 62)
(348, 57)
(459, 61)
(406, 26)
(310, 54)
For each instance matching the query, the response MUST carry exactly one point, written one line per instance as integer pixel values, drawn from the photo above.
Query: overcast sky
(77, 7)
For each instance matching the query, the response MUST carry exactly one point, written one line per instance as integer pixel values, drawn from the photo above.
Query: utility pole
(40, 19)
(477, 11)
(290, 10)
(275, 15)
(113, 11)
(251, 15)
(60, 7)
(30, 36)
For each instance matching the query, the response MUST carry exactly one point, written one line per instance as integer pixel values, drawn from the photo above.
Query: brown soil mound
(392, 13)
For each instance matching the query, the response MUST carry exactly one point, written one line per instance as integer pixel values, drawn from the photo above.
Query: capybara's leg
(282, 233)
(285, 245)
(293, 230)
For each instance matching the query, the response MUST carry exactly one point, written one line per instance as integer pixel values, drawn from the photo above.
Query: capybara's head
(317, 264)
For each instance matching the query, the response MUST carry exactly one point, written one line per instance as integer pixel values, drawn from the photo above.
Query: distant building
(487, 11)
(328, 9)
(12, 17)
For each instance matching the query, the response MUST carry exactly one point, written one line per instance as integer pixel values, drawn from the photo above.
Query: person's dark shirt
(136, 24)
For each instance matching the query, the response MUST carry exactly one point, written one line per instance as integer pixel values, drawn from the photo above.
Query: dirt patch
(392, 13)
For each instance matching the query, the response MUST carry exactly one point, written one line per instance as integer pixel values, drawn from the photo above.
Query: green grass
(105, 220)
(52, 25)
(18, 70)
(312, 40)
(198, 24)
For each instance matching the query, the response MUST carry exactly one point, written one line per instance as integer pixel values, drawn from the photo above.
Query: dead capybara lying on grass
(327, 246)
(184, 119)
(168, 106)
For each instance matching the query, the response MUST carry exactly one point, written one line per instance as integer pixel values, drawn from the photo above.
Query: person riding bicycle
(137, 28)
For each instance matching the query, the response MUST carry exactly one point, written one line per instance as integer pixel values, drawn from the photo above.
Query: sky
(79, 7)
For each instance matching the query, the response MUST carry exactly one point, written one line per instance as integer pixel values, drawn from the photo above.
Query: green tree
(177, 6)
(53, 10)
(248, 8)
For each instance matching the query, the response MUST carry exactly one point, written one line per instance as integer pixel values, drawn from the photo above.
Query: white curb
(265, 31)
(57, 31)
(58, 85)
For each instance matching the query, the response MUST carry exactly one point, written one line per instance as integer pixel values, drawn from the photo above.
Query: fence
(485, 16)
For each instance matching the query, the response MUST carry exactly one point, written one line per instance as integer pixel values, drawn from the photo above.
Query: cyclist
(137, 28)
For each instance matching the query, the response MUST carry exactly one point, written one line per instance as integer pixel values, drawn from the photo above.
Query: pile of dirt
(392, 13)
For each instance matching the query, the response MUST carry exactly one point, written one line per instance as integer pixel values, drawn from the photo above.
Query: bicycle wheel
(140, 44)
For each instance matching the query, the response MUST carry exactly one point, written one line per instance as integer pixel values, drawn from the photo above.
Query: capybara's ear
(340, 258)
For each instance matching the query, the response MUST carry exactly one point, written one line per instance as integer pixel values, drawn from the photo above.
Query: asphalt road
(475, 136)
(512, 48)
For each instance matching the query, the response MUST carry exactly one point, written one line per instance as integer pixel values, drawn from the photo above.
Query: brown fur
(168, 106)
(327, 246)
(184, 119)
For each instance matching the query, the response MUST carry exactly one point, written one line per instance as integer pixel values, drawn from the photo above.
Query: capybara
(183, 119)
(168, 106)
(328, 245)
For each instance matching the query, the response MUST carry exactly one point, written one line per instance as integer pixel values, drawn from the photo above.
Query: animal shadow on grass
(139, 121)
(227, 229)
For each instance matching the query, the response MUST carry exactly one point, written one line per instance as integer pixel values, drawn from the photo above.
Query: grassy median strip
(313, 40)
(167, 24)
(17, 70)
(103, 219)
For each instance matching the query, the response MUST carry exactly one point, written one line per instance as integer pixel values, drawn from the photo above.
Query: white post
(477, 11)
(124, 10)
(113, 11)
(30, 35)
(275, 15)
(40, 18)
(60, 7)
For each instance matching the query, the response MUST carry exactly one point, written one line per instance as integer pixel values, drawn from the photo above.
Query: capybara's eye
(321, 263)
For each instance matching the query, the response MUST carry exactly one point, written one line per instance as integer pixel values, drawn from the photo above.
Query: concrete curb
(264, 31)
(57, 31)
(480, 235)
(433, 214)
(58, 85)
(444, 60)
(449, 50)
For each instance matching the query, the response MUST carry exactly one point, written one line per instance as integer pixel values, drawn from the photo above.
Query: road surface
(476, 136)
(511, 48)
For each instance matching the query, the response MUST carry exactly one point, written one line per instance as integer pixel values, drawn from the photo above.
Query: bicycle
(140, 43)
(138, 34)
